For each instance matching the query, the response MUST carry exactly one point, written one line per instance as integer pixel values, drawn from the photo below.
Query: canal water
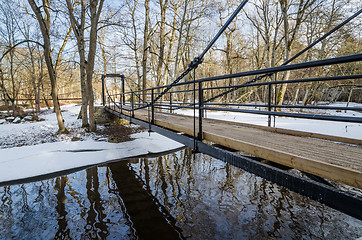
(176, 196)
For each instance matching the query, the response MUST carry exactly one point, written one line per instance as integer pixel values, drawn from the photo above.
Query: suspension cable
(137, 95)
(292, 58)
(198, 60)
(231, 18)
(324, 36)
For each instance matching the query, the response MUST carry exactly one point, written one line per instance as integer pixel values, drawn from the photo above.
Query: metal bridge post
(122, 102)
(201, 113)
(170, 102)
(103, 92)
(269, 104)
(139, 101)
(132, 104)
(152, 107)
(123, 98)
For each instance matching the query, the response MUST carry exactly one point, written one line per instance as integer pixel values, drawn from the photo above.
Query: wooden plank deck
(332, 160)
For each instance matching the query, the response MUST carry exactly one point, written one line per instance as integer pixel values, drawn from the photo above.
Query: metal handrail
(298, 66)
(203, 105)
(206, 105)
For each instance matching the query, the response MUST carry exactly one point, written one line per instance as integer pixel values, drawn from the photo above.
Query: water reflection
(96, 228)
(213, 200)
(180, 195)
(63, 230)
(149, 217)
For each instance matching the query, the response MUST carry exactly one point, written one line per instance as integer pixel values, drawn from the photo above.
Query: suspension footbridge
(266, 151)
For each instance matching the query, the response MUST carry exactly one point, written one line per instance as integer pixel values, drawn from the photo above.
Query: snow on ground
(31, 133)
(51, 153)
(30, 161)
(342, 129)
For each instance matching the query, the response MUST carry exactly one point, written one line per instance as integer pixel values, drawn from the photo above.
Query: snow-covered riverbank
(43, 152)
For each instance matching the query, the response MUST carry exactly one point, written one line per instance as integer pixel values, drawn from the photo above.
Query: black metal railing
(161, 98)
(177, 98)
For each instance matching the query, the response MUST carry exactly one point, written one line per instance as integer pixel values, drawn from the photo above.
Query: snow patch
(340, 129)
(42, 151)
(10, 119)
(28, 118)
(17, 120)
(31, 161)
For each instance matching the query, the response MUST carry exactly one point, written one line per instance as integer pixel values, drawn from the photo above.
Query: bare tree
(145, 47)
(86, 66)
(163, 6)
(291, 32)
(44, 23)
(78, 30)
(95, 12)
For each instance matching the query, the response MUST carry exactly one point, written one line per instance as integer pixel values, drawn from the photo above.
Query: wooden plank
(284, 131)
(294, 132)
(333, 172)
(340, 154)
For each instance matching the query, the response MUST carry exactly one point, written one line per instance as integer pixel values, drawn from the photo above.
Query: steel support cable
(292, 58)
(324, 36)
(318, 63)
(226, 25)
(134, 92)
(195, 146)
(198, 60)
(109, 96)
(147, 105)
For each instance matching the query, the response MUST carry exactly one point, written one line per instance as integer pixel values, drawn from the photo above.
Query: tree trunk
(179, 39)
(163, 7)
(171, 40)
(284, 7)
(78, 30)
(39, 84)
(145, 47)
(95, 11)
(44, 23)
(135, 48)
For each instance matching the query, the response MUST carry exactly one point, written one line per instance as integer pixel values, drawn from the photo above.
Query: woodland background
(152, 41)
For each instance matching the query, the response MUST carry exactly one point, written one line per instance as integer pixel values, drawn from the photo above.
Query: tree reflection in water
(63, 230)
(96, 228)
(180, 195)
(149, 217)
(213, 200)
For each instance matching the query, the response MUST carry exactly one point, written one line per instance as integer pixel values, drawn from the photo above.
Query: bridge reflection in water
(179, 195)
